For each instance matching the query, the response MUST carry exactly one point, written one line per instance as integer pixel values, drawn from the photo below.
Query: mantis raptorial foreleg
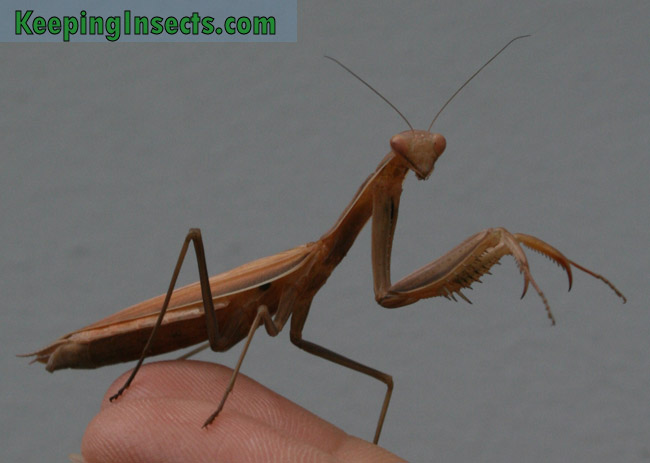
(458, 268)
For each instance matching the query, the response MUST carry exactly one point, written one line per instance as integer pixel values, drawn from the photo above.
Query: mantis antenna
(473, 75)
(371, 88)
(446, 103)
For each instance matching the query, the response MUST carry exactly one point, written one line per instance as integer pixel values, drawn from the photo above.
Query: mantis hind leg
(272, 328)
(194, 236)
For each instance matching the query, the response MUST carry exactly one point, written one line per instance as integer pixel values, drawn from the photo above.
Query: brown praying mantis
(230, 306)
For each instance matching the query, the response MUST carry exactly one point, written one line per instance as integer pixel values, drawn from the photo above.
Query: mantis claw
(116, 395)
(548, 251)
(526, 282)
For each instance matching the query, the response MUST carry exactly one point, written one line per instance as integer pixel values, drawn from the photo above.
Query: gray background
(111, 152)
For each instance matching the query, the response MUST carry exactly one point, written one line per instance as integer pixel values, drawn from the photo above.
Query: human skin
(159, 419)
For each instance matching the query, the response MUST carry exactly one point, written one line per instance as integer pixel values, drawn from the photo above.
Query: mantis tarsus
(230, 306)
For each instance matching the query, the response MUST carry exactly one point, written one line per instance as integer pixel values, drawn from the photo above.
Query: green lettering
(196, 19)
(141, 25)
(54, 25)
(243, 25)
(156, 25)
(82, 22)
(182, 26)
(112, 28)
(228, 25)
(21, 22)
(171, 25)
(38, 25)
(263, 25)
(127, 22)
(70, 26)
(96, 25)
(208, 27)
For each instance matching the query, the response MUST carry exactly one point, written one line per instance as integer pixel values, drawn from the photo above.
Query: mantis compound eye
(439, 144)
(400, 145)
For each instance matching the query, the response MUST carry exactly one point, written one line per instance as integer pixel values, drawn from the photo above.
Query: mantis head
(419, 149)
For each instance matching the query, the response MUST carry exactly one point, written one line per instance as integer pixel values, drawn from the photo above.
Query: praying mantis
(229, 307)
